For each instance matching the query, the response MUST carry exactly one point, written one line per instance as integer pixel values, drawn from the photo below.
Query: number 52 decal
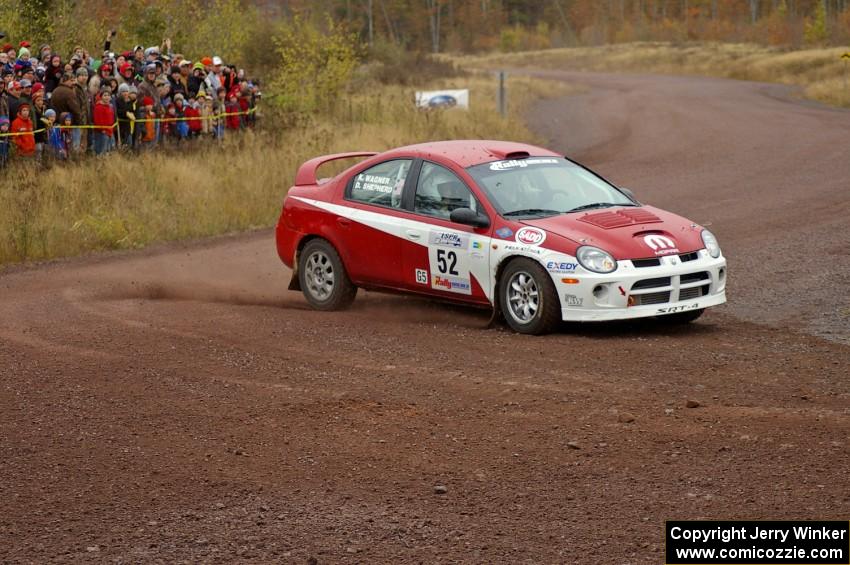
(447, 262)
(448, 258)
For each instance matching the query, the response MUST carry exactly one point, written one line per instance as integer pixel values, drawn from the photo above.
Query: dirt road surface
(178, 404)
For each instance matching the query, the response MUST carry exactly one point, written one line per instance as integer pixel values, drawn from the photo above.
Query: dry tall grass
(121, 201)
(819, 71)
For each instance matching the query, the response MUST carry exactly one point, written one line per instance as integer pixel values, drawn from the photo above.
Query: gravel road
(178, 404)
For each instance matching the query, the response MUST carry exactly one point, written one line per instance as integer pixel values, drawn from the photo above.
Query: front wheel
(528, 299)
(323, 279)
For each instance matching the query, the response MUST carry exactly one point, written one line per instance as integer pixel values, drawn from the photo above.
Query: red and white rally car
(511, 226)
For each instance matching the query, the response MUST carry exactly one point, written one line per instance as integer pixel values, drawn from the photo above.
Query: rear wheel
(323, 279)
(528, 298)
(682, 317)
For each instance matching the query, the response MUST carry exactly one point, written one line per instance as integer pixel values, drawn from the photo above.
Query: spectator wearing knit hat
(13, 94)
(125, 111)
(196, 80)
(81, 140)
(104, 118)
(5, 125)
(4, 100)
(22, 126)
(53, 74)
(147, 130)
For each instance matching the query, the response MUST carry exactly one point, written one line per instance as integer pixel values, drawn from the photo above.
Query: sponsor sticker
(559, 267)
(525, 249)
(477, 245)
(530, 236)
(448, 259)
(452, 284)
(660, 244)
(504, 233)
(449, 239)
(520, 163)
(421, 276)
(573, 300)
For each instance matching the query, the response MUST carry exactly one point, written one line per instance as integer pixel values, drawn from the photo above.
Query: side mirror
(469, 217)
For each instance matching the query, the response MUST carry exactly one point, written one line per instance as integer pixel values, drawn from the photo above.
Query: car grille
(651, 283)
(652, 298)
(640, 263)
(655, 261)
(676, 288)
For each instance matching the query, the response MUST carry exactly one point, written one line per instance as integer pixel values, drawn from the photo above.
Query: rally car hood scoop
(610, 219)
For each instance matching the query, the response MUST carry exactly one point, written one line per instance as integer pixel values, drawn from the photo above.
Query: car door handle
(345, 222)
(413, 234)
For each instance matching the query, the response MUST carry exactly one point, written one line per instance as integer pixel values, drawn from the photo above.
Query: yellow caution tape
(135, 121)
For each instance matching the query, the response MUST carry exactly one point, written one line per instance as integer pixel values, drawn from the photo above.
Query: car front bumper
(673, 286)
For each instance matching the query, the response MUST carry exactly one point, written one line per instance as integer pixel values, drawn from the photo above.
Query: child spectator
(66, 121)
(54, 135)
(168, 128)
(104, 117)
(182, 126)
(22, 124)
(193, 113)
(219, 108)
(4, 141)
(232, 108)
(147, 131)
(38, 111)
(125, 108)
(244, 102)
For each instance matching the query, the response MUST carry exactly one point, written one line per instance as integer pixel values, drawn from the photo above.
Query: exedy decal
(558, 267)
(504, 233)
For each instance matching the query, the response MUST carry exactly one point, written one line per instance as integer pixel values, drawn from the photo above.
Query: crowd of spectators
(57, 108)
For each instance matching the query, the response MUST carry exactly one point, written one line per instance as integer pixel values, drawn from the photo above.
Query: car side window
(382, 184)
(439, 191)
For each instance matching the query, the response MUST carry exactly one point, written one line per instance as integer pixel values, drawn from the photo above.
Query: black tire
(682, 317)
(322, 276)
(523, 317)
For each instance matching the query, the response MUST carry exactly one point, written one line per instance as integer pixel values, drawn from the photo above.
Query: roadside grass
(123, 202)
(820, 72)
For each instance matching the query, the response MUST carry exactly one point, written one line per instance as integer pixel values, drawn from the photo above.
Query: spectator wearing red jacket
(21, 125)
(193, 115)
(232, 110)
(104, 118)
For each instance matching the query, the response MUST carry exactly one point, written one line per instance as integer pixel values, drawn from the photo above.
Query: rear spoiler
(307, 172)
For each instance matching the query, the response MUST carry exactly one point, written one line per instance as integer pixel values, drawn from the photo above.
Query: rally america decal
(448, 258)
(521, 163)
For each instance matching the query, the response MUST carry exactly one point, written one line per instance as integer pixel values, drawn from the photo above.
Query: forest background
(340, 75)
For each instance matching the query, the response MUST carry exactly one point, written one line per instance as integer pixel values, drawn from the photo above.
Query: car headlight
(710, 243)
(596, 260)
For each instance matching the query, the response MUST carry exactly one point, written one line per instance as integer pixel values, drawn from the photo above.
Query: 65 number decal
(447, 262)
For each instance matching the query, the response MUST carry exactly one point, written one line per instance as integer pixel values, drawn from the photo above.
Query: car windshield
(544, 186)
